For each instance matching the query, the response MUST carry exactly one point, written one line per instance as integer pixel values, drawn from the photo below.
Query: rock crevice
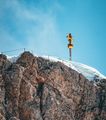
(40, 91)
(33, 88)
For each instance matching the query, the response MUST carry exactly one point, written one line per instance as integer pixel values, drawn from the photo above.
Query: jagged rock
(13, 118)
(27, 59)
(33, 88)
(4, 63)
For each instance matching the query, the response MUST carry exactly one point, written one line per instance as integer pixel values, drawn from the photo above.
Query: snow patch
(89, 72)
(12, 58)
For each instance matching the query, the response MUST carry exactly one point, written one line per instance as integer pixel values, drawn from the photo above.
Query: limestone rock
(33, 88)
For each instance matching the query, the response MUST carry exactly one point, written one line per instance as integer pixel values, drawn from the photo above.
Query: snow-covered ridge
(12, 58)
(89, 72)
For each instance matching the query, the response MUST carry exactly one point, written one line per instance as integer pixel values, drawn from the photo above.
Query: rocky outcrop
(33, 88)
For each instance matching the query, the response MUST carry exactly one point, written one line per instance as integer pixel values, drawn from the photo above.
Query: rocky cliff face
(33, 88)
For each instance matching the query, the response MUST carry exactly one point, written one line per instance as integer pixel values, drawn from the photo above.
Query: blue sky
(42, 25)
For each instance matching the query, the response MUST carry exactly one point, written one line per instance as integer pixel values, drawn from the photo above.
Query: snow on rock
(89, 72)
(12, 58)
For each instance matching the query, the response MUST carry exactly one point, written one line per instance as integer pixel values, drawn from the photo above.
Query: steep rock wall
(33, 88)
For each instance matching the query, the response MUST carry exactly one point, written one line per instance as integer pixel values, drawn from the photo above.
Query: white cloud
(39, 28)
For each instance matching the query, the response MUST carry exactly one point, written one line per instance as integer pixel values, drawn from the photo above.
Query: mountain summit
(35, 88)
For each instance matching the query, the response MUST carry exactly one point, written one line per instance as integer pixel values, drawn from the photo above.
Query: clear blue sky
(42, 25)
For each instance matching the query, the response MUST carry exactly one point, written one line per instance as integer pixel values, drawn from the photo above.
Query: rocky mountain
(33, 88)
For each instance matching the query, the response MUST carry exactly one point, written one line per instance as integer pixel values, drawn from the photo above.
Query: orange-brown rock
(33, 88)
